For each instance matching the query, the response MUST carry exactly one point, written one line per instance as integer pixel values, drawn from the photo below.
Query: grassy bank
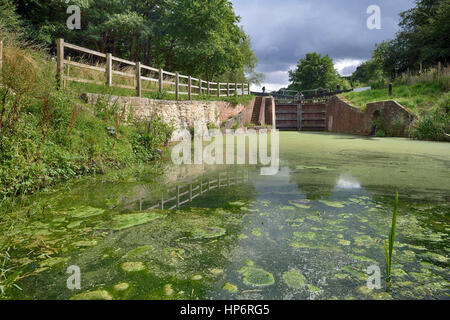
(49, 135)
(416, 98)
(426, 96)
(103, 89)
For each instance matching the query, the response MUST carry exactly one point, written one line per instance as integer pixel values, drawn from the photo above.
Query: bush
(149, 139)
(435, 125)
(380, 133)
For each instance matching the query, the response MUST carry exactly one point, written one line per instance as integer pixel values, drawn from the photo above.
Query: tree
(423, 38)
(201, 38)
(314, 71)
(370, 72)
(9, 19)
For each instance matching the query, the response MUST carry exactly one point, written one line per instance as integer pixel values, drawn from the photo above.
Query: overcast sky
(283, 31)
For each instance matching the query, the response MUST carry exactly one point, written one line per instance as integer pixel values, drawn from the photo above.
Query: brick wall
(344, 118)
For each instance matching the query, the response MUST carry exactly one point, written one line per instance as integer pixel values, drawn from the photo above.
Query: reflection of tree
(316, 192)
(315, 184)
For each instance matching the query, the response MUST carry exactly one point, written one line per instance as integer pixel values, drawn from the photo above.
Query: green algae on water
(231, 288)
(301, 203)
(334, 204)
(138, 252)
(294, 279)
(257, 232)
(132, 266)
(93, 295)
(85, 243)
(256, 277)
(126, 221)
(208, 233)
(121, 286)
(85, 212)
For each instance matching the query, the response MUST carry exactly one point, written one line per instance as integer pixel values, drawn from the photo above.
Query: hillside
(427, 97)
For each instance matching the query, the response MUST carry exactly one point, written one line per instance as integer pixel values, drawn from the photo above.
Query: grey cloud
(283, 31)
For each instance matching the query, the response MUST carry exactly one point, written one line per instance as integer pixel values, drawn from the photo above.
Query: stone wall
(393, 118)
(181, 114)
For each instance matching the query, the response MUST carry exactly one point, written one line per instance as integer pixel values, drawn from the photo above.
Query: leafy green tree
(314, 71)
(9, 19)
(423, 38)
(368, 73)
(196, 37)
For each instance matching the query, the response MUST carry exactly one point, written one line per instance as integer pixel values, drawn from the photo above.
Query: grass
(417, 97)
(389, 247)
(49, 135)
(155, 94)
(427, 96)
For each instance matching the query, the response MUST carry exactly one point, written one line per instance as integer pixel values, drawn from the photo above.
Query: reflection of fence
(182, 194)
(153, 81)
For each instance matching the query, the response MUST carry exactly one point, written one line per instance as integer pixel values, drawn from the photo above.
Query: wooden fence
(156, 79)
(182, 194)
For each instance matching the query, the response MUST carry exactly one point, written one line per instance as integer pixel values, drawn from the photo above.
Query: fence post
(390, 89)
(200, 86)
(218, 89)
(177, 85)
(1, 55)
(209, 88)
(138, 80)
(109, 79)
(243, 90)
(161, 80)
(59, 62)
(178, 197)
(189, 88)
(235, 89)
(248, 86)
(67, 73)
(228, 89)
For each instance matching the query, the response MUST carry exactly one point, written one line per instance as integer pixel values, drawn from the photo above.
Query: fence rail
(145, 78)
(182, 194)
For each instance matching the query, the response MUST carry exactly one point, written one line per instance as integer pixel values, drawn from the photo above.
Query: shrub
(149, 138)
(380, 133)
(435, 125)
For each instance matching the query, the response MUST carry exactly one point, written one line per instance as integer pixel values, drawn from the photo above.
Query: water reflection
(183, 194)
(347, 181)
